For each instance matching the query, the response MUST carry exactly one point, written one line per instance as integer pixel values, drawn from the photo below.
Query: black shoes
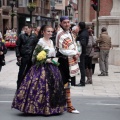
(80, 85)
(88, 82)
(106, 74)
(102, 74)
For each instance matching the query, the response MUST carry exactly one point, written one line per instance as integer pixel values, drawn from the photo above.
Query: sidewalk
(103, 86)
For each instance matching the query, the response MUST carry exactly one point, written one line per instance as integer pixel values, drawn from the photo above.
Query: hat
(64, 18)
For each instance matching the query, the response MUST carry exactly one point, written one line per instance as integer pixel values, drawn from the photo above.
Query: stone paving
(103, 86)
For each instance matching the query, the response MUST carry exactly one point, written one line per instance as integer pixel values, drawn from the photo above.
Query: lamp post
(68, 9)
(97, 27)
(96, 7)
(53, 12)
(31, 7)
(12, 4)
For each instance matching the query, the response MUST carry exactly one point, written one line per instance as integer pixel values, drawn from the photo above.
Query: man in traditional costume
(68, 58)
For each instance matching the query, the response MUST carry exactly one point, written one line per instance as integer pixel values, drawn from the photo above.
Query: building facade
(45, 12)
(61, 9)
(109, 17)
(6, 15)
(18, 14)
(86, 12)
(40, 15)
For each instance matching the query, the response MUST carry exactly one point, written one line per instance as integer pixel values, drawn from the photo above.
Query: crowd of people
(45, 89)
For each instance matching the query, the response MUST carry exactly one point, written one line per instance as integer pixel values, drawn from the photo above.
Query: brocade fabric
(41, 92)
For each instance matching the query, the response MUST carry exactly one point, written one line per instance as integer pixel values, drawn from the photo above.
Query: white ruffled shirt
(51, 48)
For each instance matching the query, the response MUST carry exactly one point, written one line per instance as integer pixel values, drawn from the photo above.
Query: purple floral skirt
(41, 92)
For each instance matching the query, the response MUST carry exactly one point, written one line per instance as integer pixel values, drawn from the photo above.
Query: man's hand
(78, 54)
(1, 53)
(76, 57)
(18, 59)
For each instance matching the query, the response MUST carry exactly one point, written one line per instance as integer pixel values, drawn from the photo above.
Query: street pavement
(99, 101)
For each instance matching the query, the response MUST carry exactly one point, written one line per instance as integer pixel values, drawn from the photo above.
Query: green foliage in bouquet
(40, 55)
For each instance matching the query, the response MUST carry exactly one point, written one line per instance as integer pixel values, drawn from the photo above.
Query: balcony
(38, 11)
(6, 8)
(42, 11)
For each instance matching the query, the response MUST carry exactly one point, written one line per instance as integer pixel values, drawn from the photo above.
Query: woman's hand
(48, 61)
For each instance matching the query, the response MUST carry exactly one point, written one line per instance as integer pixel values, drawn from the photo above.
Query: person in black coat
(3, 51)
(83, 37)
(25, 46)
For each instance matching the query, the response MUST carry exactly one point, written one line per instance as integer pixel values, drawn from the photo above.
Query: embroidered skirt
(41, 92)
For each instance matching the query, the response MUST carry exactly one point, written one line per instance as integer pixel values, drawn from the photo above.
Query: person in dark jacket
(3, 51)
(83, 37)
(25, 46)
(53, 38)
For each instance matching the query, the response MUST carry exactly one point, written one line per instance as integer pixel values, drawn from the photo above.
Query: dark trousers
(0, 67)
(73, 81)
(23, 69)
(88, 62)
(82, 69)
(64, 69)
(93, 68)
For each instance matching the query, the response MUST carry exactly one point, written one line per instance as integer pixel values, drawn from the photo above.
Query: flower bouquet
(40, 55)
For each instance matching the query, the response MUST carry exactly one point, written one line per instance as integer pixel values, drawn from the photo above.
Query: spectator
(53, 38)
(3, 51)
(83, 37)
(104, 42)
(24, 49)
(89, 55)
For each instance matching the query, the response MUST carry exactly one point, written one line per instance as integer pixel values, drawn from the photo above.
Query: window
(23, 3)
(59, 1)
(3, 2)
(20, 4)
(74, 1)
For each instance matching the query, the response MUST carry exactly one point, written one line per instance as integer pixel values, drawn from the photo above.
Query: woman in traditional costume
(42, 90)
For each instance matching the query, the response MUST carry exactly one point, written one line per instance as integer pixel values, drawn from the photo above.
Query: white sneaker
(72, 110)
(75, 111)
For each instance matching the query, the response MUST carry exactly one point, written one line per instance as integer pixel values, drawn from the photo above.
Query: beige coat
(104, 41)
